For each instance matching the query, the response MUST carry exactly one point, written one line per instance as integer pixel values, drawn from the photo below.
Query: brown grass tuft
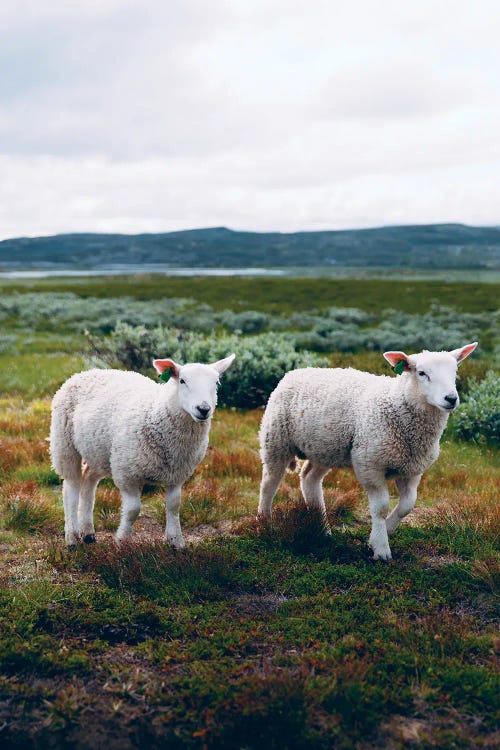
(107, 508)
(465, 511)
(340, 503)
(18, 451)
(240, 463)
(26, 511)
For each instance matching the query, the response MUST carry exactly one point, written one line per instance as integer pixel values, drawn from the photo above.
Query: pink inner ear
(164, 364)
(466, 351)
(394, 357)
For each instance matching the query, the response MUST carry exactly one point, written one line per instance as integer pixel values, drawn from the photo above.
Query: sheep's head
(434, 373)
(196, 384)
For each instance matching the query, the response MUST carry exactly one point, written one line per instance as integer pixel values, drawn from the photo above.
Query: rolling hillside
(436, 246)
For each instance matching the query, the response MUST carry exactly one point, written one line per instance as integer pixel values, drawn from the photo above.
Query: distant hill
(431, 246)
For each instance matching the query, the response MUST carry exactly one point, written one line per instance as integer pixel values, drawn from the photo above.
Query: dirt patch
(257, 604)
(439, 561)
(408, 732)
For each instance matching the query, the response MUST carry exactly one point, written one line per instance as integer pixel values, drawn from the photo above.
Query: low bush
(260, 363)
(440, 328)
(478, 418)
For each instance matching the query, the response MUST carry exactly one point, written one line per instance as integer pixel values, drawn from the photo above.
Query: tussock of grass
(107, 508)
(153, 568)
(302, 529)
(466, 512)
(27, 512)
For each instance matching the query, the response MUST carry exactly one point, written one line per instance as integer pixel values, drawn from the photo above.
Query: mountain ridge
(426, 246)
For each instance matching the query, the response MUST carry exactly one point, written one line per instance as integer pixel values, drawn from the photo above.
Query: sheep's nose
(452, 400)
(203, 409)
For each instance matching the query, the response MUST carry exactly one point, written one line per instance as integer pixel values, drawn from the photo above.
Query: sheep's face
(197, 388)
(433, 373)
(196, 385)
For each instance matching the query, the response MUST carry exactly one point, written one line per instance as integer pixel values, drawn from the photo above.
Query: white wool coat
(344, 417)
(126, 426)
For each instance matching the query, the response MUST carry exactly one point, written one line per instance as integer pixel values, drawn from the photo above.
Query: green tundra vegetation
(258, 635)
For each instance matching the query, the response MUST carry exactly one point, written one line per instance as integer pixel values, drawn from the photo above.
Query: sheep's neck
(431, 420)
(167, 411)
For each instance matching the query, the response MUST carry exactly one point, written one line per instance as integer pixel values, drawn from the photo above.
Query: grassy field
(256, 636)
(280, 296)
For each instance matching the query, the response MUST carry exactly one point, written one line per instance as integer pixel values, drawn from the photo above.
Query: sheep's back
(107, 405)
(317, 412)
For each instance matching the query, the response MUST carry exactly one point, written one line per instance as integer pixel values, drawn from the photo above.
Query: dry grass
(475, 512)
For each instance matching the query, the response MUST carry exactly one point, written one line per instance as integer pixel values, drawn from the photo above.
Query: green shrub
(478, 418)
(42, 475)
(440, 328)
(261, 361)
(7, 342)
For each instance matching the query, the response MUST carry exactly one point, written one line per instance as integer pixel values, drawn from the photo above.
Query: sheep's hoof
(176, 542)
(71, 547)
(89, 538)
(384, 556)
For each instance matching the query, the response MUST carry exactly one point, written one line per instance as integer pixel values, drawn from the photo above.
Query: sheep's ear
(399, 361)
(222, 365)
(461, 354)
(161, 365)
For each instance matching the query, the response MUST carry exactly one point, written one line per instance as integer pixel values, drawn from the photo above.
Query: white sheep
(124, 425)
(379, 425)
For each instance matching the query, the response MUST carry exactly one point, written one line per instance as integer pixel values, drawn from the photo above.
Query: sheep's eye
(423, 374)
(182, 381)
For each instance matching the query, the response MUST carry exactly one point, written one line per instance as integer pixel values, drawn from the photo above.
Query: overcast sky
(138, 116)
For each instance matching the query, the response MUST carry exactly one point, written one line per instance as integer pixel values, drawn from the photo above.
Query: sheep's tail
(65, 458)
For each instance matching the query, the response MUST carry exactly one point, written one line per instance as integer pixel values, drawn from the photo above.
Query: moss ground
(257, 635)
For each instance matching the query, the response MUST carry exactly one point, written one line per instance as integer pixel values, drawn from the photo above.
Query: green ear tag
(398, 369)
(165, 376)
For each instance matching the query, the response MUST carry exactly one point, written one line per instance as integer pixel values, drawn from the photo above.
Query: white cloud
(125, 116)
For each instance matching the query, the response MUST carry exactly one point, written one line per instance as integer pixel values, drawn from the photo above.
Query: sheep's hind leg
(131, 506)
(90, 480)
(407, 488)
(271, 480)
(173, 531)
(378, 497)
(71, 492)
(311, 484)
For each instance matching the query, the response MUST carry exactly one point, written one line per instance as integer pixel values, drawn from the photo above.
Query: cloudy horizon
(117, 116)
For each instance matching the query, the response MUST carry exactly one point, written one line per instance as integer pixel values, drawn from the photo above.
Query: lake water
(42, 273)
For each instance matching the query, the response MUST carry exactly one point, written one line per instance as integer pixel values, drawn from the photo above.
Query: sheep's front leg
(173, 532)
(378, 498)
(131, 506)
(407, 488)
